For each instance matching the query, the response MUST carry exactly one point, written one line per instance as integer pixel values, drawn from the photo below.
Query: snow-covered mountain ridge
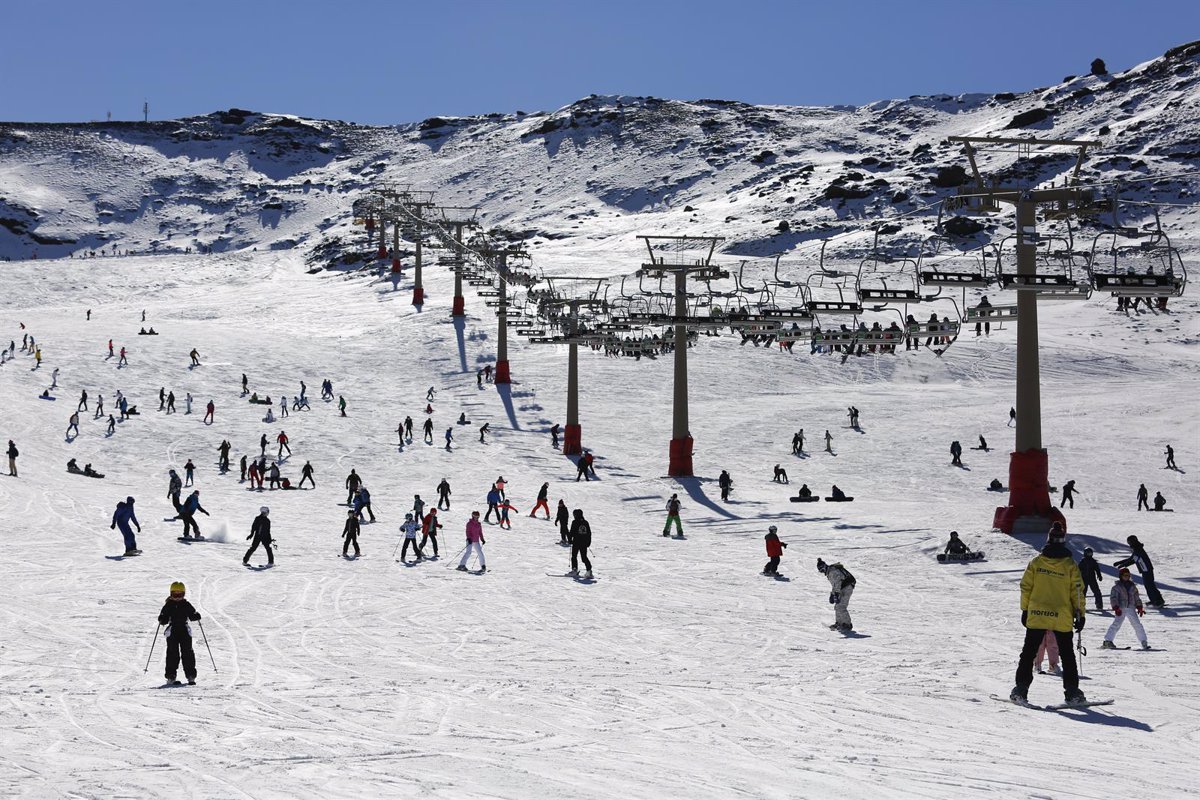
(765, 177)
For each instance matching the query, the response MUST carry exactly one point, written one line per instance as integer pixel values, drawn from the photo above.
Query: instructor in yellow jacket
(1051, 600)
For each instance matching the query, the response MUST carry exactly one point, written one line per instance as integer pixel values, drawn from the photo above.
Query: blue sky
(391, 62)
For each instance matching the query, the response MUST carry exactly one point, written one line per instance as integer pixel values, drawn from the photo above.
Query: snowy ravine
(681, 671)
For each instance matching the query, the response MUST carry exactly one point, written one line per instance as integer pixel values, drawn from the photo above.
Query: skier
(112, 425)
(352, 484)
(1012, 416)
(726, 483)
(350, 534)
(174, 487)
(479, 378)
(242, 466)
(475, 542)
(283, 408)
(781, 475)
(362, 502)
(1170, 454)
(450, 437)
(273, 476)
(1068, 494)
(283, 445)
(774, 551)
(260, 530)
(1051, 600)
(54, 379)
(1090, 571)
(842, 583)
(171, 402)
(110, 348)
(582, 469)
(175, 614)
(504, 507)
(408, 423)
(1160, 502)
(121, 519)
(99, 406)
(428, 429)
(554, 430)
(828, 441)
(209, 413)
(798, 442)
(956, 454)
(418, 507)
(493, 501)
(82, 401)
(245, 385)
(1143, 497)
(187, 512)
(956, 546)
(189, 472)
(429, 395)
(1125, 601)
(673, 516)
(262, 445)
(306, 474)
(581, 540)
(195, 356)
(123, 361)
(542, 501)
(429, 529)
(409, 529)
(73, 423)
(162, 397)
(1145, 567)
(188, 402)
(563, 518)
(483, 431)
(443, 491)
(342, 405)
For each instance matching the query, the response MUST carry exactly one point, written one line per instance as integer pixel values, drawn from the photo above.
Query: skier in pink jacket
(475, 542)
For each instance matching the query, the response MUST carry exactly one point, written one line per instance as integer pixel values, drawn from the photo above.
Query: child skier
(1126, 604)
(429, 529)
(409, 529)
(175, 614)
(774, 551)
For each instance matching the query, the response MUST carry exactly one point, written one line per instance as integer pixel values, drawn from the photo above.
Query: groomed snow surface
(680, 672)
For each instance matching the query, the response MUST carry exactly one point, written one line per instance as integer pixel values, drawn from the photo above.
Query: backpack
(849, 579)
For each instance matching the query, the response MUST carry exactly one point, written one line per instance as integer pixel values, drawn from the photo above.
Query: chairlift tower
(499, 258)
(1029, 508)
(458, 220)
(573, 432)
(414, 205)
(702, 268)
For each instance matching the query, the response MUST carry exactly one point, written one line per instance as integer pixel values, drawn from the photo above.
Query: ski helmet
(178, 588)
(1124, 571)
(350, 512)
(1087, 551)
(953, 534)
(772, 529)
(129, 500)
(264, 511)
(406, 516)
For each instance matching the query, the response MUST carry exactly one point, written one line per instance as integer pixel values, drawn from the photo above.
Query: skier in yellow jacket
(1052, 599)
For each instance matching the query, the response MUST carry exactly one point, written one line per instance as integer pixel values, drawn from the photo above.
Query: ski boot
(1108, 645)
(574, 573)
(1074, 697)
(1145, 645)
(462, 568)
(1019, 694)
(191, 681)
(588, 575)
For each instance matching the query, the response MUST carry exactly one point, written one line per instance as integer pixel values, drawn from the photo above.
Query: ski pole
(152, 643)
(397, 547)
(205, 635)
(456, 555)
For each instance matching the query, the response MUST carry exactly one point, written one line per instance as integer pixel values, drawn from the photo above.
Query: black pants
(350, 541)
(189, 523)
(724, 492)
(564, 531)
(254, 546)
(772, 566)
(445, 498)
(1066, 655)
(1142, 502)
(416, 549)
(308, 478)
(582, 474)
(428, 537)
(180, 646)
(1067, 499)
(1094, 585)
(578, 552)
(1152, 594)
(493, 510)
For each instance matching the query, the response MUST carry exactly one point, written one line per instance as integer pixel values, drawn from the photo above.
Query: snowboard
(1053, 706)
(85, 475)
(579, 578)
(947, 557)
(1114, 647)
(813, 499)
(46, 397)
(190, 539)
(839, 500)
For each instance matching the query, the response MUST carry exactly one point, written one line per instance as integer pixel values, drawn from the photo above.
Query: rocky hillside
(766, 177)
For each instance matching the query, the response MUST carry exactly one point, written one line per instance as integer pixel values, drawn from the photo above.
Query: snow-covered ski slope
(680, 672)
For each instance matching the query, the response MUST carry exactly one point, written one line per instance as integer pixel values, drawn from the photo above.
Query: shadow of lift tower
(1029, 508)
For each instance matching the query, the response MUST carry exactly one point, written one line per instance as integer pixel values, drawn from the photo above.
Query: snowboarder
(1068, 494)
(429, 529)
(774, 551)
(262, 445)
(581, 540)
(563, 518)
(443, 491)
(123, 361)
(342, 405)
(189, 472)
(726, 483)
(260, 531)
(805, 493)
(73, 424)
(484, 429)
(283, 407)
(174, 487)
(242, 466)
(121, 519)
(54, 379)
(209, 413)
(99, 406)
(352, 484)
(283, 445)
(798, 442)
(1012, 416)
(956, 546)
(175, 615)
(195, 356)
(429, 395)
(673, 516)
(162, 397)
(554, 430)
(428, 429)
(479, 378)
(171, 402)
(245, 385)
(418, 507)
(408, 423)
(475, 543)
(828, 441)
(842, 583)
(273, 476)
(1145, 567)
(1160, 502)
(306, 474)
(409, 529)
(1143, 497)
(780, 475)
(350, 534)
(450, 437)
(956, 454)
(543, 501)
(1126, 604)
(112, 425)
(187, 512)
(362, 502)
(188, 402)
(1170, 454)
(1051, 600)
(82, 401)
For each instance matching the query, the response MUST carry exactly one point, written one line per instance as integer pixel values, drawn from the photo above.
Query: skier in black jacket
(563, 518)
(1145, 567)
(726, 483)
(1090, 571)
(175, 614)
(260, 530)
(350, 534)
(443, 490)
(581, 540)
